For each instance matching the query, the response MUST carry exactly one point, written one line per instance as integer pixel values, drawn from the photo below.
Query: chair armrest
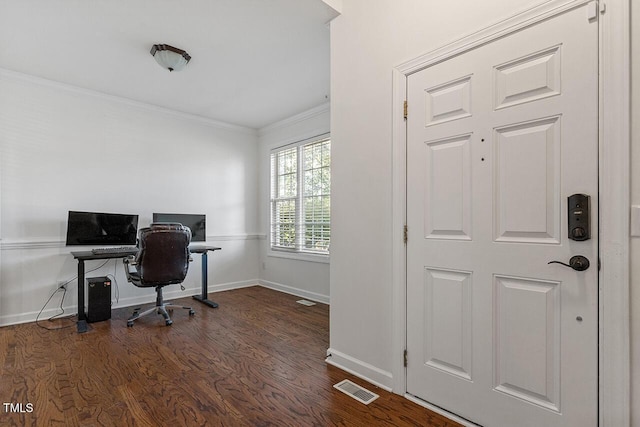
(132, 276)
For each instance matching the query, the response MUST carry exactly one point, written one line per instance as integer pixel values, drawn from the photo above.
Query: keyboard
(115, 250)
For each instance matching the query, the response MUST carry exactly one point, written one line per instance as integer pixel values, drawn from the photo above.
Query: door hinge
(405, 234)
(593, 9)
(406, 110)
(405, 357)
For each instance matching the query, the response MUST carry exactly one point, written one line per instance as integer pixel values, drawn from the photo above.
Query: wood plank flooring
(257, 360)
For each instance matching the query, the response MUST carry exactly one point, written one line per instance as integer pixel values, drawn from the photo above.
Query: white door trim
(615, 186)
(614, 172)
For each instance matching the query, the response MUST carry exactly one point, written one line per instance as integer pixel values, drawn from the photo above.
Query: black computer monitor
(196, 222)
(100, 228)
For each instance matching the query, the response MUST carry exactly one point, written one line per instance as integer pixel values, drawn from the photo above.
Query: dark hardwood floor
(257, 360)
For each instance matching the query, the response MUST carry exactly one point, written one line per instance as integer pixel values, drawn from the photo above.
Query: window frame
(297, 251)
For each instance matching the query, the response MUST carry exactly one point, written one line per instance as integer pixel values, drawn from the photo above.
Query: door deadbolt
(579, 217)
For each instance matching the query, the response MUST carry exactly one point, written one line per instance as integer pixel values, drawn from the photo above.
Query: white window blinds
(301, 197)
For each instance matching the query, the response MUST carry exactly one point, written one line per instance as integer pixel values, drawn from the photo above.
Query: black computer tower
(98, 299)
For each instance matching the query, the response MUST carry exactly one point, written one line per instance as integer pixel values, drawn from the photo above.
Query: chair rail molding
(44, 243)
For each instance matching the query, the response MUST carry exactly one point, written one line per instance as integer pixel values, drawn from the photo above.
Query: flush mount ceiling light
(170, 57)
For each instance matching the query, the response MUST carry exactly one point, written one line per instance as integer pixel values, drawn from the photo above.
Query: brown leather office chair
(163, 259)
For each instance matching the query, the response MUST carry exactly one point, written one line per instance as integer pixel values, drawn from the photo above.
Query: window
(301, 197)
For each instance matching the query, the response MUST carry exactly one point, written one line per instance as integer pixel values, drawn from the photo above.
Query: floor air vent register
(354, 390)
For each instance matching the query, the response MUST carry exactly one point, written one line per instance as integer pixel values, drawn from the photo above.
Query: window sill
(299, 256)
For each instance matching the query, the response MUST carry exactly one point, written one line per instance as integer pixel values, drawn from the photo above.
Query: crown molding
(31, 79)
(305, 115)
(336, 5)
(334, 8)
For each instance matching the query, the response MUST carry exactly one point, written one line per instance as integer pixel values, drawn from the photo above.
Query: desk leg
(205, 282)
(82, 317)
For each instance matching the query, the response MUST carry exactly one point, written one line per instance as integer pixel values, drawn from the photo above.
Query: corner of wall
(360, 369)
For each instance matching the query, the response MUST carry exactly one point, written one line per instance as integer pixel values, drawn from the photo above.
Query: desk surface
(88, 255)
(201, 249)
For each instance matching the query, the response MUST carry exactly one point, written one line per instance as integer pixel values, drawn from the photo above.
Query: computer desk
(83, 256)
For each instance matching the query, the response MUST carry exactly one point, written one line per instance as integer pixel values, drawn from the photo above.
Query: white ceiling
(254, 62)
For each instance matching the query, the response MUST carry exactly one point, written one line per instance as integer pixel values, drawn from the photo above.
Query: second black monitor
(196, 222)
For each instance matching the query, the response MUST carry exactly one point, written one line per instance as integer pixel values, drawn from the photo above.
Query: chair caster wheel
(168, 322)
(192, 313)
(129, 323)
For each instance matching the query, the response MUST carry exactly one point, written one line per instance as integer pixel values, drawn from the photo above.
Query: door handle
(578, 263)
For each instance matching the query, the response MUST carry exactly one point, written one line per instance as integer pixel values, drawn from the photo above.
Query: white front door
(497, 139)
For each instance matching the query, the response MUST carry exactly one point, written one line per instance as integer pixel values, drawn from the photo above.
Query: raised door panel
(527, 182)
(448, 101)
(448, 302)
(447, 200)
(527, 79)
(527, 340)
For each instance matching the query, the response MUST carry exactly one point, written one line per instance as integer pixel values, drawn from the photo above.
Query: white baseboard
(173, 293)
(27, 317)
(360, 369)
(295, 291)
(16, 319)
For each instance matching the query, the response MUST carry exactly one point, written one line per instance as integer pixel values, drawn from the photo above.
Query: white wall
(367, 41)
(68, 149)
(309, 279)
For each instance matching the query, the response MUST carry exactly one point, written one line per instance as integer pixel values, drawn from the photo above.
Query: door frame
(614, 187)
